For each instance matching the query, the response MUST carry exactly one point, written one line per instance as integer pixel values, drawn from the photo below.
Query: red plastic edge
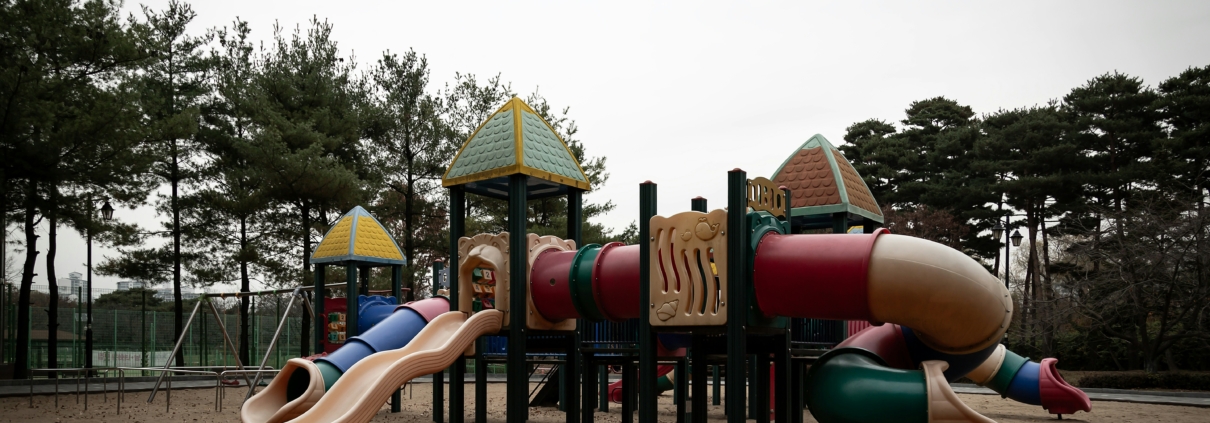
(886, 341)
(1058, 396)
(428, 308)
(814, 276)
(623, 276)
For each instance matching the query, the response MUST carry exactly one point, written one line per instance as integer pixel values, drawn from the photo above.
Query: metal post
(227, 340)
(737, 273)
(458, 371)
(175, 348)
(518, 377)
(647, 340)
(88, 323)
(272, 343)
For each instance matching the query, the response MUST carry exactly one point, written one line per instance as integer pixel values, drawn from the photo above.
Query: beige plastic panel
(944, 405)
(488, 251)
(685, 289)
(538, 244)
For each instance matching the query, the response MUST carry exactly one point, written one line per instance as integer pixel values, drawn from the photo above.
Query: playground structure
(724, 283)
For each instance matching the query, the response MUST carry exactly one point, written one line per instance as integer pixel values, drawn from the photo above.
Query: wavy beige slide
(364, 388)
(270, 405)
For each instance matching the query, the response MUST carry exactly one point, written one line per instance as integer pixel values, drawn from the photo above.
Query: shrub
(1136, 380)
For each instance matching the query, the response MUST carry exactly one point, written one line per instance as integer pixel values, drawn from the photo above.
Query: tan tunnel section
(951, 302)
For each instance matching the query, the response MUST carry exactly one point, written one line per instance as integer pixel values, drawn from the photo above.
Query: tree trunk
(52, 248)
(244, 287)
(1049, 348)
(21, 355)
(1171, 360)
(408, 240)
(305, 345)
(177, 305)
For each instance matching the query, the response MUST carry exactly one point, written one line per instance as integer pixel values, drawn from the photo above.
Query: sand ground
(197, 405)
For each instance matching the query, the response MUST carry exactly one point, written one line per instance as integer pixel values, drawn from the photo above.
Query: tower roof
(515, 140)
(822, 182)
(358, 237)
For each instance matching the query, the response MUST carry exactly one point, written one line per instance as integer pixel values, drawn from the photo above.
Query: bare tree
(1135, 278)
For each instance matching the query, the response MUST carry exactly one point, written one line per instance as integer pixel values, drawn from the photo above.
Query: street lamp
(106, 214)
(1016, 238)
(997, 231)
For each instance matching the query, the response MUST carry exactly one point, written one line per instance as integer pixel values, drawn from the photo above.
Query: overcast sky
(681, 92)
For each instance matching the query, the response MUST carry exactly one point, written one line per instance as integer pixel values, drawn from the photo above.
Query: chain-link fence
(140, 333)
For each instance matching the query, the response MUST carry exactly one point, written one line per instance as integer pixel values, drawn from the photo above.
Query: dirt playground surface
(197, 405)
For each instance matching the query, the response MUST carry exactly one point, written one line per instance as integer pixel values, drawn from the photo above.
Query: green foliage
(927, 163)
(70, 131)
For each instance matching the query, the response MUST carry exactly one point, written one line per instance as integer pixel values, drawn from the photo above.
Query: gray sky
(681, 92)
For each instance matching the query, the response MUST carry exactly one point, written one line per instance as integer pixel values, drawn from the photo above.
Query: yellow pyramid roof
(357, 237)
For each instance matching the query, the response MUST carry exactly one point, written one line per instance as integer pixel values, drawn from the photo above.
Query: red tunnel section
(834, 275)
(551, 285)
(597, 282)
(615, 281)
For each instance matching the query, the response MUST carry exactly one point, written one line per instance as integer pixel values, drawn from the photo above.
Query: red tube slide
(948, 299)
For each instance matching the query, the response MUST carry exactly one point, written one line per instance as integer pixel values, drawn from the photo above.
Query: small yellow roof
(357, 237)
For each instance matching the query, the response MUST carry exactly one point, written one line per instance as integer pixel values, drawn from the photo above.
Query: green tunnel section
(581, 282)
(1008, 370)
(853, 385)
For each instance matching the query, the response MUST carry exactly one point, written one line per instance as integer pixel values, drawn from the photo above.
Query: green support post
(350, 301)
(458, 371)
(364, 287)
(737, 311)
(648, 207)
(573, 368)
(397, 292)
(840, 222)
(718, 386)
(697, 354)
(781, 378)
(518, 383)
(781, 360)
(761, 402)
(869, 225)
(753, 390)
(439, 377)
(321, 319)
(604, 391)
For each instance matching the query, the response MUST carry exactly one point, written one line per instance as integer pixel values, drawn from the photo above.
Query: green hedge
(1162, 380)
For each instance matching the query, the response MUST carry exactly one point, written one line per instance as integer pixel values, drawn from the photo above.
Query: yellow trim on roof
(517, 134)
(513, 170)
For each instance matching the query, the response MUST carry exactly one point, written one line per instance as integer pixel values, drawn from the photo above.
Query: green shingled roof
(492, 151)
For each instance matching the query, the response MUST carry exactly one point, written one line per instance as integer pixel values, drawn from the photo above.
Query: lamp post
(106, 214)
(1012, 241)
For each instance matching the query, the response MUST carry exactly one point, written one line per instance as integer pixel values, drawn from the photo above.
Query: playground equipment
(728, 279)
